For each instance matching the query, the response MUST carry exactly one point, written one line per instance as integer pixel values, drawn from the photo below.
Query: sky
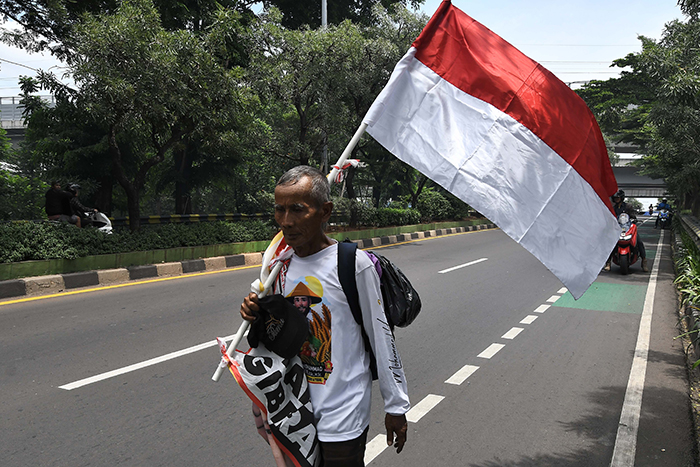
(577, 41)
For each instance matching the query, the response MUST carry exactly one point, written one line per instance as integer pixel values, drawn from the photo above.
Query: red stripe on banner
(474, 59)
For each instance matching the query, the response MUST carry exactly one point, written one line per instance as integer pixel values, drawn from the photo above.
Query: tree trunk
(183, 180)
(103, 197)
(131, 190)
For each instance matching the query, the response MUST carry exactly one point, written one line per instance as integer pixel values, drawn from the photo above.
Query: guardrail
(692, 226)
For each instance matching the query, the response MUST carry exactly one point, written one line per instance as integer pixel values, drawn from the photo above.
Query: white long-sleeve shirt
(335, 360)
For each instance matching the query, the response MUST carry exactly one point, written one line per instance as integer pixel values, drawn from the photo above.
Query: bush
(391, 216)
(49, 240)
(433, 206)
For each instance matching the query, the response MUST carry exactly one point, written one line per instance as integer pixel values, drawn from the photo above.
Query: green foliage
(49, 240)
(296, 14)
(635, 204)
(433, 206)
(20, 197)
(391, 216)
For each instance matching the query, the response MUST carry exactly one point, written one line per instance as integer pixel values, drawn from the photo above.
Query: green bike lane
(655, 427)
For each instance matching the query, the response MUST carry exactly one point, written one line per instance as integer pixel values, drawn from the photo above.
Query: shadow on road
(663, 438)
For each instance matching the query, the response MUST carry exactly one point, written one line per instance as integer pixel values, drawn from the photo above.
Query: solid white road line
(491, 350)
(375, 447)
(423, 407)
(529, 319)
(513, 333)
(542, 308)
(463, 265)
(138, 366)
(553, 298)
(461, 376)
(626, 441)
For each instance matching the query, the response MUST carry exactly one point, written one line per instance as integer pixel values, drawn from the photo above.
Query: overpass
(631, 181)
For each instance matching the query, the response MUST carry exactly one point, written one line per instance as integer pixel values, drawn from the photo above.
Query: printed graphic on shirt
(315, 354)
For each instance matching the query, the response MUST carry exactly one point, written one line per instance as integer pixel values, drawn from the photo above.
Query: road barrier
(692, 226)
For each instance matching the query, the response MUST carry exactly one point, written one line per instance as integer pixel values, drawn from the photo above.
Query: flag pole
(265, 288)
(348, 150)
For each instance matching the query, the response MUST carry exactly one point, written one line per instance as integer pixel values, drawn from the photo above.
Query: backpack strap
(347, 251)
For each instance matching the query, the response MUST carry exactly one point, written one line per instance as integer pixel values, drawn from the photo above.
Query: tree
(50, 24)
(150, 88)
(296, 14)
(674, 117)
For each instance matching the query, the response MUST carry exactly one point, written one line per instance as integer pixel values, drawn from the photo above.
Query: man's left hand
(396, 424)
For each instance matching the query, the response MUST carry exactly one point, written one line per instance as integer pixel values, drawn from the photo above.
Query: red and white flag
(496, 129)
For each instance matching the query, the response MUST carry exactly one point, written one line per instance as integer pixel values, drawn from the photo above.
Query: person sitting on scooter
(57, 205)
(662, 205)
(620, 206)
(77, 207)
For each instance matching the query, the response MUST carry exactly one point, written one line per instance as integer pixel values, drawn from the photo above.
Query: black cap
(280, 327)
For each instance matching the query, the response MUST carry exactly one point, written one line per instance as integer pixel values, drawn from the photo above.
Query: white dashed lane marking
(465, 372)
(423, 407)
(491, 350)
(378, 444)
(512, 334)
(529, 319)
(480, 260)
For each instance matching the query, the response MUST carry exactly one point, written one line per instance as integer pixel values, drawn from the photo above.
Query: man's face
(301, 302)
(299, 218)
(616, 199)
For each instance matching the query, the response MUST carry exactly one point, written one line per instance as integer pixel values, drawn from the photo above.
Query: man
(341, 384)
(77, 208)
(662, 205)
(620, 206)
(57, 205)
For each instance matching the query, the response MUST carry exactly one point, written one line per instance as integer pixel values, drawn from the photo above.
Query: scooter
(626, 254)
(664, 220)
(99, 221)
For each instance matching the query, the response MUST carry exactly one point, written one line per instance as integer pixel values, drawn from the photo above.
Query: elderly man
(338, 368)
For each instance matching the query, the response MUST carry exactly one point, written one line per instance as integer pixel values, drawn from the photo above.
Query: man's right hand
(249, 307)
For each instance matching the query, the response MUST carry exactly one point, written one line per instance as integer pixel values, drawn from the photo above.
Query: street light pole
(324, 14)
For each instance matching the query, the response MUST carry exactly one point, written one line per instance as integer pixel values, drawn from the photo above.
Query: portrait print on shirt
(307, 296)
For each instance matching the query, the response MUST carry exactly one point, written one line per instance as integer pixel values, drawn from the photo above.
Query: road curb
(45, 285)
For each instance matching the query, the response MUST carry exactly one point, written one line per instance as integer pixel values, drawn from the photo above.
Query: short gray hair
(320, 188)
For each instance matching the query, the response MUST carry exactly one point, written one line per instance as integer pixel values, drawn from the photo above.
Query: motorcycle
(99, 221)
(626, 254)
(664, 220)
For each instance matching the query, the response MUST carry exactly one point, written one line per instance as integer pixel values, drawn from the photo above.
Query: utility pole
(324, 24)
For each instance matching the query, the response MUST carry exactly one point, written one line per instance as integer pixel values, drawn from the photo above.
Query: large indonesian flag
(506, 136)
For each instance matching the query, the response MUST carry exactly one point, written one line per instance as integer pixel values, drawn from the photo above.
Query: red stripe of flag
(453, 45)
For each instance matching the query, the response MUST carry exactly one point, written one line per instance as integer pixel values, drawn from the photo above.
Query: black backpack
(400, 300)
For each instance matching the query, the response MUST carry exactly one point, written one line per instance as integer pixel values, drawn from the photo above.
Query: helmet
(73, 187)
(620, 194)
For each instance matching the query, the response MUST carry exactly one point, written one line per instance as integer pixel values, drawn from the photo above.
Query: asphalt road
(542, 379)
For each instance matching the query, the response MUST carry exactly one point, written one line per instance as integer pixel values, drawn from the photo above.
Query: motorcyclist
(651, 209)
(77, 208)
(620, 206)
(57, 205)
(662, 205)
